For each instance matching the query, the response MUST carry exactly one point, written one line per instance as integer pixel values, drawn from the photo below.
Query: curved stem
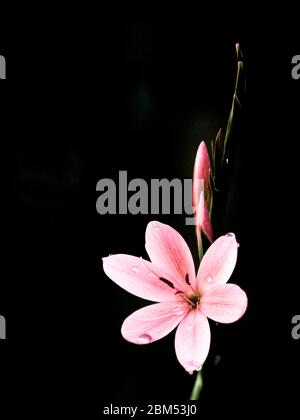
(197, 387)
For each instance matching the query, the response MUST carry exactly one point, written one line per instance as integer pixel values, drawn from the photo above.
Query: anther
(187, 279)
(168, 282)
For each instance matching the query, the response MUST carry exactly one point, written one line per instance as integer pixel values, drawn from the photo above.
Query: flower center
(194, 301)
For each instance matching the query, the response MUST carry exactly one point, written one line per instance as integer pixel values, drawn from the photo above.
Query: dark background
(93, 92)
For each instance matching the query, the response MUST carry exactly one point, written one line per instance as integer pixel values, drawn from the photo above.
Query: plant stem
(235, 99)
(197, 387)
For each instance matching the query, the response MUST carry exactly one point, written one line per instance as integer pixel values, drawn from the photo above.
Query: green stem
(200, 246)
(198, 381)
(197, 387)
(235, 99)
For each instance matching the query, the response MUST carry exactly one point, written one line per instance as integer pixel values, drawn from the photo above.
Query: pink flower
(185, 299)
(201, 190)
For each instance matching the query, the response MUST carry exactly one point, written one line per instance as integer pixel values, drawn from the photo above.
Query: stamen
(168, 282)
(188, 300)
(187, 280)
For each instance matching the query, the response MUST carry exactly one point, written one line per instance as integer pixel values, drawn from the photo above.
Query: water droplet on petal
(230, 235)
(209, 279)
(134, 269)
(144, 339)
(191, 366)
(238, 245)
(110, 255)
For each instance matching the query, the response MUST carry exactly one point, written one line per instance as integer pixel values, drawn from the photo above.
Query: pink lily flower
(201, 179)
(185, 299)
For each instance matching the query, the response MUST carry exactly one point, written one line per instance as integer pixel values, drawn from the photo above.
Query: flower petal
(217, 263)
(224, 303)
(201, 171)
(202, 219)
(192, 341)
(167, 249)
(201, 179)
(153, 322)
(140, 277)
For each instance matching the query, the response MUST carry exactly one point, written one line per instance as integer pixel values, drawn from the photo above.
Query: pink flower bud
(201, 192)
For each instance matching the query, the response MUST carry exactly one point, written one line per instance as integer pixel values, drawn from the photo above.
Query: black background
(89, 93)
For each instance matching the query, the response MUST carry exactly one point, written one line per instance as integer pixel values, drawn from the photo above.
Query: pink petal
(202, 219)
(153, 322)
(201, 171)
(140, 277)
(224, 303)
(200, 187)
(218, 262)
(167, 249)
(192, 341)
